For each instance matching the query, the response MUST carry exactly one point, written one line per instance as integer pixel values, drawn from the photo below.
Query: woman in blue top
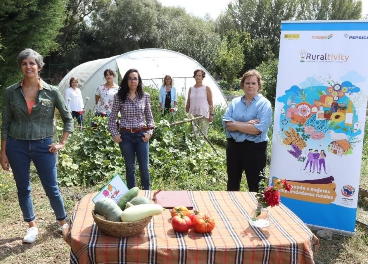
(247, 122)
(167, 96)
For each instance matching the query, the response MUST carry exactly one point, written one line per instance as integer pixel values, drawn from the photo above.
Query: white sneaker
(31, 235)
(64, 227)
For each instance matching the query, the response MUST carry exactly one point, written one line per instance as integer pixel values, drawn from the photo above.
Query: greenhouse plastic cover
(152, 64)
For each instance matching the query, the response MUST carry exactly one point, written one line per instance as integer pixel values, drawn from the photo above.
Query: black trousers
(78, 116)
(245, 156)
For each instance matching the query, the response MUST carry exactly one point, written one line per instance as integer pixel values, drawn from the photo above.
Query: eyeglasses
(135, 79)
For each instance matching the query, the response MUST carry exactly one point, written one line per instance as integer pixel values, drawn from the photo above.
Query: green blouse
(17, 123)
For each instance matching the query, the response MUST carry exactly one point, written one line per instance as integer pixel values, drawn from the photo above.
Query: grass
(50, 247)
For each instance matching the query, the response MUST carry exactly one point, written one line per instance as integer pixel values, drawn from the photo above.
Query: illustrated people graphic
(315, 160)
(309, 160)
(322, 161)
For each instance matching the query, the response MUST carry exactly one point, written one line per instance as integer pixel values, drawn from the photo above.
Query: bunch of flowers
(270, 195)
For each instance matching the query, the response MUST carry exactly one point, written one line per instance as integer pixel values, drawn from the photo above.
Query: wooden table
(287, 240)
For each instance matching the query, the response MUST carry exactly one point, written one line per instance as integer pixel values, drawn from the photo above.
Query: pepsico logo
(348, 190)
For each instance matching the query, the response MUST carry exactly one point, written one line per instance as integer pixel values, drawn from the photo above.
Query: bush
(91, 156)
(177, 159)
(268, 71)
(235, 85)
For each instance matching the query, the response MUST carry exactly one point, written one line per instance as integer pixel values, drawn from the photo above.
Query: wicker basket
(121, 229)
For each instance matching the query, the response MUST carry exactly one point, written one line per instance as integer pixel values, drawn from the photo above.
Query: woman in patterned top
(136, 126)
(104, 96)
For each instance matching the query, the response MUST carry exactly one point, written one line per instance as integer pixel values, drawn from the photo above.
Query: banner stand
(320, 112)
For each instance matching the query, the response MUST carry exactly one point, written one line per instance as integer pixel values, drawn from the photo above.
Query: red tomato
(194, 214)
(203, 224)
(179, 210)
(181, 223)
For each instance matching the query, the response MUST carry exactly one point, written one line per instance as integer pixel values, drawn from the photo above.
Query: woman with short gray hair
(26, 135)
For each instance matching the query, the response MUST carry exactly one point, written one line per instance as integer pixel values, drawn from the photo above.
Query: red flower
(272, 196)
(285, 185)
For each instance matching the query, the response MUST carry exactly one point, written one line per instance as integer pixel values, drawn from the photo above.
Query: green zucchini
(140, 200)
(133, 192)
(109, 209)
(140, 211)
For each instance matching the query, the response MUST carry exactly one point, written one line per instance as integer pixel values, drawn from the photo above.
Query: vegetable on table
(140, 200)
(140, 211)
(203, 224)
(109, 209)
(194, 214)
(133, 192)
(181, 223)
(179, 210)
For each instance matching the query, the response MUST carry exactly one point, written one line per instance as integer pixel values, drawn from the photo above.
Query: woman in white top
(199, 103)
(74, 100)
(104, 96)
(167, 96)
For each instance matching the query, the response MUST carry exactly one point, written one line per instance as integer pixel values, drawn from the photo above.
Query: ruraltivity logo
(323, 37)
(323, 57)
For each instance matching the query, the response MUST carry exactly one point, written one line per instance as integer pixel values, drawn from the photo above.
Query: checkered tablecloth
(287, 240)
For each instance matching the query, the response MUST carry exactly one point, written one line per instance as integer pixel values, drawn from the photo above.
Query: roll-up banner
(320, 110)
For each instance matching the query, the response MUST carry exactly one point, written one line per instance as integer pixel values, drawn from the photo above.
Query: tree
(124, 26)
(27, 24)
(329, 9)
(72, 34)
(231, 58)
(255, 52)
(192, 36)
(77, 12)
(262, 18)
(268, 70)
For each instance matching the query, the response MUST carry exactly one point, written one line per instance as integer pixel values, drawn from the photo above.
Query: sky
(199, 7)
(365, 7)
(214, 7)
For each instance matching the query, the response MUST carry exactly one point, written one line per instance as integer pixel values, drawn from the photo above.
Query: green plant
(191, 165)
(233, 87)
(91, 156)
(268, 71)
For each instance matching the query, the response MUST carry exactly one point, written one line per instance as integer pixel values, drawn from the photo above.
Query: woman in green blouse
(26, 135)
